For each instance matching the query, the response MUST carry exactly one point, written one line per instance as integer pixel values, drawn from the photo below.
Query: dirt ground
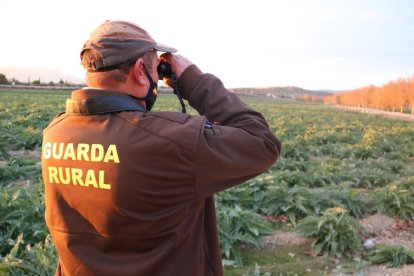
(381, 229)
(407, 270)
(388, 114)
(283, 239)
(384, 229)
(26, 154)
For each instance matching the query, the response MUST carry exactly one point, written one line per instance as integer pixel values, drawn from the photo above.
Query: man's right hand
(178, 65)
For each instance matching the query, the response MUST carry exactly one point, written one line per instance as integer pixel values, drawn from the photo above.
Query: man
(130, 191)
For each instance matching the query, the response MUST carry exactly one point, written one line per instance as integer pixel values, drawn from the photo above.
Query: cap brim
(164, 48)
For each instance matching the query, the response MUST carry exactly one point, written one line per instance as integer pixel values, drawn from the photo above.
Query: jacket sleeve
(238, 146)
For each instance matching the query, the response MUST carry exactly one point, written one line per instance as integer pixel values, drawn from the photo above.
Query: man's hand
(178, 65)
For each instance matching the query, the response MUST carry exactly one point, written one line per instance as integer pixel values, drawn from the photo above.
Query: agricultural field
(340, 199)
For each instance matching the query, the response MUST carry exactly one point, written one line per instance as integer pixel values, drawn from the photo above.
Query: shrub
(335, 231)
(397, 199)
(21, 212)
(237, 225)
(292, 202)
(37, 259)
(392, 255)
(299, 202)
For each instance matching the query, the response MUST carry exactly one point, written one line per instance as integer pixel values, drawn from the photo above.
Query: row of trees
(308, 98)
(393, 96)
(13, 81)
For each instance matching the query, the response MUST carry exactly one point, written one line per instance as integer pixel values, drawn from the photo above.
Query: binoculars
(164, 70)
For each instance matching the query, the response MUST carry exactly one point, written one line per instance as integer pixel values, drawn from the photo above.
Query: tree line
(308, 98)
(13, 81)
(393, 96)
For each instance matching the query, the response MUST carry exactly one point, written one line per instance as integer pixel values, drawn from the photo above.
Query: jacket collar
(96, 101)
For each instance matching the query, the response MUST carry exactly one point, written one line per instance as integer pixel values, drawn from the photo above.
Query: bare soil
(280, 238)
(407, 270)
(388, 114)
(381, 228)
(393, 231)
(26, 154)
(22, 182)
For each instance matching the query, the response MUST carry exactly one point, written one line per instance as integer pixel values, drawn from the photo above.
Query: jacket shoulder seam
(57, 119)
(152, 133)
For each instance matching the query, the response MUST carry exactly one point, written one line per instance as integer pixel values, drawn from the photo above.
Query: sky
(313, 44)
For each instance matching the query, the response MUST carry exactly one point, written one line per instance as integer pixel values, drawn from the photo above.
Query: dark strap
(177, 92)
(101, 105)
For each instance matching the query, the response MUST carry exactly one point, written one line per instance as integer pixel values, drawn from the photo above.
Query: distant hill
(45, 75)
(289, 92)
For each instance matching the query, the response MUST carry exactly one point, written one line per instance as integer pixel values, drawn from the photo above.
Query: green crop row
(330, 159)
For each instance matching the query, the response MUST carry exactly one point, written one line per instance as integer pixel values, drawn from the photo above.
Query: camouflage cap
(117, 42)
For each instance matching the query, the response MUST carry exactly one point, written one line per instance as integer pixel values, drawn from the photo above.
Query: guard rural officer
(130, 191)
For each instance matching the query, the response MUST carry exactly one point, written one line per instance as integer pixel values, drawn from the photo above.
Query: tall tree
(410, 88)
(3, 79)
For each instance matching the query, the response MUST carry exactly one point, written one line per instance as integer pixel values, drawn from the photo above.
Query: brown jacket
(130, 192)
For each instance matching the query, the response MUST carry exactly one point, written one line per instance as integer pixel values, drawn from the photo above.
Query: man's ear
(139, 73)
